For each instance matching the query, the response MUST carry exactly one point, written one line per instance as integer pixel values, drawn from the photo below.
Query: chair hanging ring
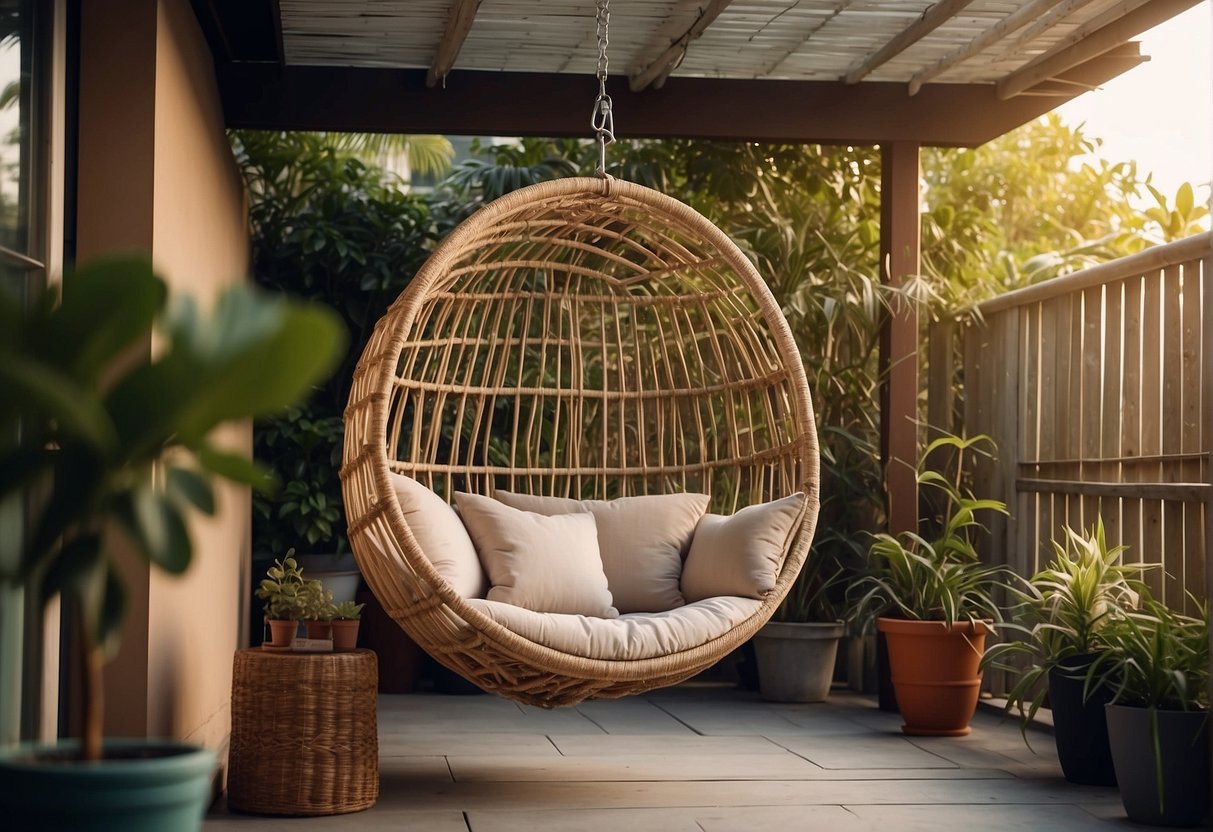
(602, 118)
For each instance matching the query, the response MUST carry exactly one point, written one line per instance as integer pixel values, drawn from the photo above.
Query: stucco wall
(156, 175)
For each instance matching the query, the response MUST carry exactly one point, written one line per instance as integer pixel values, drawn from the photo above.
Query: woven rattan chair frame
(587, 338)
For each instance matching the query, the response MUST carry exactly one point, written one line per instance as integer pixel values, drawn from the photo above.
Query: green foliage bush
(330, 228)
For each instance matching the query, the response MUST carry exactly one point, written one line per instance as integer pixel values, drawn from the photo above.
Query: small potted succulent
(1062, 614)
(345, 618)
(1156, 662)
(284, 592)
(935, 602)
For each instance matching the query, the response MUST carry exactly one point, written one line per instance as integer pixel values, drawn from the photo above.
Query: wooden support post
(899, 257)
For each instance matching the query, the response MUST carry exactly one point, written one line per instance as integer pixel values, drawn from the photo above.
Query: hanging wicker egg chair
(586, 338)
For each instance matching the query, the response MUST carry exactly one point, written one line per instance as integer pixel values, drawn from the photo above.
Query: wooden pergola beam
(375, 100)
(930, 20)
(1095, 38)
(1042, 24)
(658, 69)
(900, 258)
(1011, 23)
(458, 24)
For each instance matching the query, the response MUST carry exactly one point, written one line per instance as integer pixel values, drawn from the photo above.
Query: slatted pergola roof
(952, 72)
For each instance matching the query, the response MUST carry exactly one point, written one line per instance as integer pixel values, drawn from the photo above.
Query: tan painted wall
(200, 244)
(156, 174)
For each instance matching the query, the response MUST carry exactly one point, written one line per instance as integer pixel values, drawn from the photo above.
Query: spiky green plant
(1063, 611)
(940, 578)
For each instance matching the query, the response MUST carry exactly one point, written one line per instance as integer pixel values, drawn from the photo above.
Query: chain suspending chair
(587, 338)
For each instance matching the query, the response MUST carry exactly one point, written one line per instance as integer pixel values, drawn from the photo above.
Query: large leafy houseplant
(109, 445)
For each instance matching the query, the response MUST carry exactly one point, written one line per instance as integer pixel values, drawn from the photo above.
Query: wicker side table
(304, 738)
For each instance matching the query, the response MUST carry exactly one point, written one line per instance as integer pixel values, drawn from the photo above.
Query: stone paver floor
(701, 758)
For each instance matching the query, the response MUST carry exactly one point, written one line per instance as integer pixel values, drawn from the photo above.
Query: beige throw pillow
(441, 536)
(544, 564)
(740, 555)
(643, 540)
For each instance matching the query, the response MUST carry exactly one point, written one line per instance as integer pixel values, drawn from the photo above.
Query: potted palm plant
(1156, 662)
(1062, 614)
(935, 602)
(83, 427)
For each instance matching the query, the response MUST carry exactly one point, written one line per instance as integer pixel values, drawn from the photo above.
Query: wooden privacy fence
(1095, 387)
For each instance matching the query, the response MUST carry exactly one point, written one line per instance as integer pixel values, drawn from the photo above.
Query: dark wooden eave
(274, 97)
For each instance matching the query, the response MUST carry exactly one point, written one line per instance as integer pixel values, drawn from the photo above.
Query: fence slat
(1094, 387)
(1110, 406)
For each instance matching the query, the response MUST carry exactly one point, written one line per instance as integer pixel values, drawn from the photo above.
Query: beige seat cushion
(741, 554)
(628, 637)
(643, 541)
(545, 564)
(441, 536)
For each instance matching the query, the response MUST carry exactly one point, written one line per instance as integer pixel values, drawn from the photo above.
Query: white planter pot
(796, 661)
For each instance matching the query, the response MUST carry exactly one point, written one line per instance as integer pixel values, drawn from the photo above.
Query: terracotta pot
(318, 629)
(936, 673)
(282, 633)
(345, 634)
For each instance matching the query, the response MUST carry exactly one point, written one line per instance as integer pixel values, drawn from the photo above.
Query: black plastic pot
(1080, 728)
(1183, 742)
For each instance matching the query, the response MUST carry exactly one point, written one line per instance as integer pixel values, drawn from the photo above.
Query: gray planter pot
(796, 661)
(1183, 742)
(338, 573)
(139, 786)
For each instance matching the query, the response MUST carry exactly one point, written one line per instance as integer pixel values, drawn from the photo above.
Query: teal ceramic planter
(141, 786)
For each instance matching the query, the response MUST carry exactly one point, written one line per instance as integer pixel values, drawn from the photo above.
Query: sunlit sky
(1159, 114)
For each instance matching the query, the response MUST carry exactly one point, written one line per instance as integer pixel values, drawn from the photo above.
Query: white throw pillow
(741, 555)
(544, 564)
(643, 540)
(441, 536)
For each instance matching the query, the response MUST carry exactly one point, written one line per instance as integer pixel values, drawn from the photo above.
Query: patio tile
(662, 745)
(635, 715)
(966, 818)
(620, 768)
(376, 818)
(394, 744)
(554, 795)
(705, 819)
(870, 750)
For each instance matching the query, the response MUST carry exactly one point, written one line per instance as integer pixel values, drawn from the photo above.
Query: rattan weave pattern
(304, 733)
(582, 338)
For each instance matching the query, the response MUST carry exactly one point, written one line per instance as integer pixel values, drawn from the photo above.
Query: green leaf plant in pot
(344, 618)
(1156, 661)
(287, 599)
(1062, 614)
(103, 445)
(935, 602)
